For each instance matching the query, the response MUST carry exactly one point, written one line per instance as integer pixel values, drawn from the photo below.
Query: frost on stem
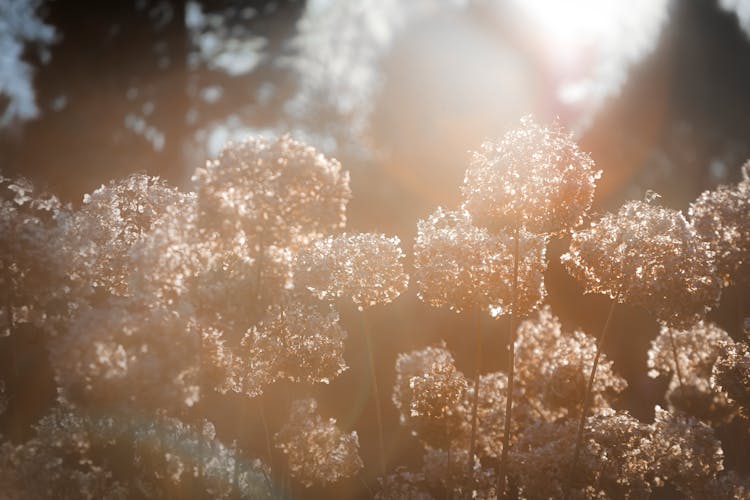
(722, 218)
(558, 380)
(535, 177)
(294, 341)
(98, 237)
(461, 266)
(648, 256)
(366, 267)
(427, 391)
(731, 373)
(278, 191)
(32, 283)
(317, 450)
(698, 348)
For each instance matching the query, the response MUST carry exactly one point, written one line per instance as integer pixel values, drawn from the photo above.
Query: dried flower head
(99, 236)
(462, 266)
(61, 460)
(427, 391)
(722, 218)
(535, 177)
(401, 484)
(612, 463)
(33, 285)
(685, 453)
(559, 380)
(297, 342)
(278, 191)
(317, 450)
(649, 256)
(697, 349)
(731, 373)
(366, 267)
(128, 356)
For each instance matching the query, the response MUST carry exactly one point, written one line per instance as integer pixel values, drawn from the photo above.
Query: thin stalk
(475, 400)
(375, 392)
(503, 465)
(589, 390)
(676, 362)
(201, 439)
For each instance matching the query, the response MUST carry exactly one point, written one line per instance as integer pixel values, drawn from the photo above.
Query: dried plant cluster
(157, 306)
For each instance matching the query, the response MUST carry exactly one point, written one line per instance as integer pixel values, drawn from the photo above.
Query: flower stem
(676, 362)
(589, 391)
(503, 465)
(375, 392)
(475, 401)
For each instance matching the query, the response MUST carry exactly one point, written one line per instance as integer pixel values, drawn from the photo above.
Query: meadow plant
(168, 316)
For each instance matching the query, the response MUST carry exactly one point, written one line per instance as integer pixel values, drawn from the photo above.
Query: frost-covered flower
(366, 267)
(722, 218)
(427, 391)
(278, 192)
(461, 266)
(553, 366)
(317, 450)
(535, 178)
(648, 256)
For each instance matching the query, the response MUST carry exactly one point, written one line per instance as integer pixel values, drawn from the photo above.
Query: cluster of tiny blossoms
(366, 267)
(276, 191)
(317, 450)
(462, 266)
(688, 356)
(722, 218)
(534, 177)
(649, 256)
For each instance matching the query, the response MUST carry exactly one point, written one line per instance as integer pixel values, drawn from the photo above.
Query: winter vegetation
(172, 319)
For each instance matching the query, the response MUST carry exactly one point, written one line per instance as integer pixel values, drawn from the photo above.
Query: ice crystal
(553, 366)
(461, 266)
(535, 177)
(277, 191)
(297, 342)
(98, 237)
(427, 391)
(649, 256)
(365, 267)
(317, 450)
(722, 218)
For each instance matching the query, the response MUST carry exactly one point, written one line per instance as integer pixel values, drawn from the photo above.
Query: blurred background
(658, 91)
